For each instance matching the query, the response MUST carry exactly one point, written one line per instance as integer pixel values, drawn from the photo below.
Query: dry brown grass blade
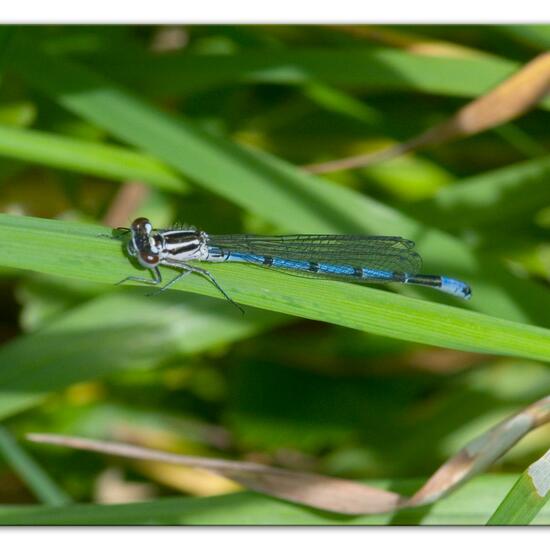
(510, 99)
(129, 198)
(333, 494)
(481, 452)
(411, 42)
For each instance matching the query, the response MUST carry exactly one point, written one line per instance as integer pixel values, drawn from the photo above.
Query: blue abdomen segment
(444, 284)
(377, 275)
(321, 268)
(281, 263)
(456, 288)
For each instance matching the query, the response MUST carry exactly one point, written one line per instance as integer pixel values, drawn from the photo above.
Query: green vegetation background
(363, 383)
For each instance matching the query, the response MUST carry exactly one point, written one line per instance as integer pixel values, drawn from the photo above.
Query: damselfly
(352, 258)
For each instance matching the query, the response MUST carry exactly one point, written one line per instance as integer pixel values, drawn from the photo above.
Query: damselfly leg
(116, 233)
(155, 281)
(186, 270)
(193, 269)
(173, 281)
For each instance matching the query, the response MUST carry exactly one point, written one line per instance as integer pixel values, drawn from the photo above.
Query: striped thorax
(152, 248)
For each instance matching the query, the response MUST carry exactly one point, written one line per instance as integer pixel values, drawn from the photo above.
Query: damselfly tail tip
(456, 288)
(444, 284)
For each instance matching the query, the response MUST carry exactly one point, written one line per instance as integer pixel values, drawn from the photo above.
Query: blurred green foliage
(212, 119)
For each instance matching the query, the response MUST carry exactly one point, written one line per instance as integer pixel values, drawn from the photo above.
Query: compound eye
(142, 225)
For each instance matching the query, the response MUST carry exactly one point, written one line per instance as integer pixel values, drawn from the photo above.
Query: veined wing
(383, 253)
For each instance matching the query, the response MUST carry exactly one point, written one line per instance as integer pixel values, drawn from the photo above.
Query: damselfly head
(142, 244)
(141, 226)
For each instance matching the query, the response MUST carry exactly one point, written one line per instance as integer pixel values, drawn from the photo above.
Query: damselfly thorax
(152, 247)
(351, 258)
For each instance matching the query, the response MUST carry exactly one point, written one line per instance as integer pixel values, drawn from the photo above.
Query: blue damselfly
(351, 258)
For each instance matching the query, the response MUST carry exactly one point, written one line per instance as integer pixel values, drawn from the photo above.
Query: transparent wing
(383, 253)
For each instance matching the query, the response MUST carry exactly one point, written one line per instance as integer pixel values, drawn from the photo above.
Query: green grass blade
(527, 497)
(513, 192)
(277, 192)
(107, 161)
(75, 250)
(470, 505)
(222, 167)
(135, 331)
(36, 479)
(534, 35)
(372, 68)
